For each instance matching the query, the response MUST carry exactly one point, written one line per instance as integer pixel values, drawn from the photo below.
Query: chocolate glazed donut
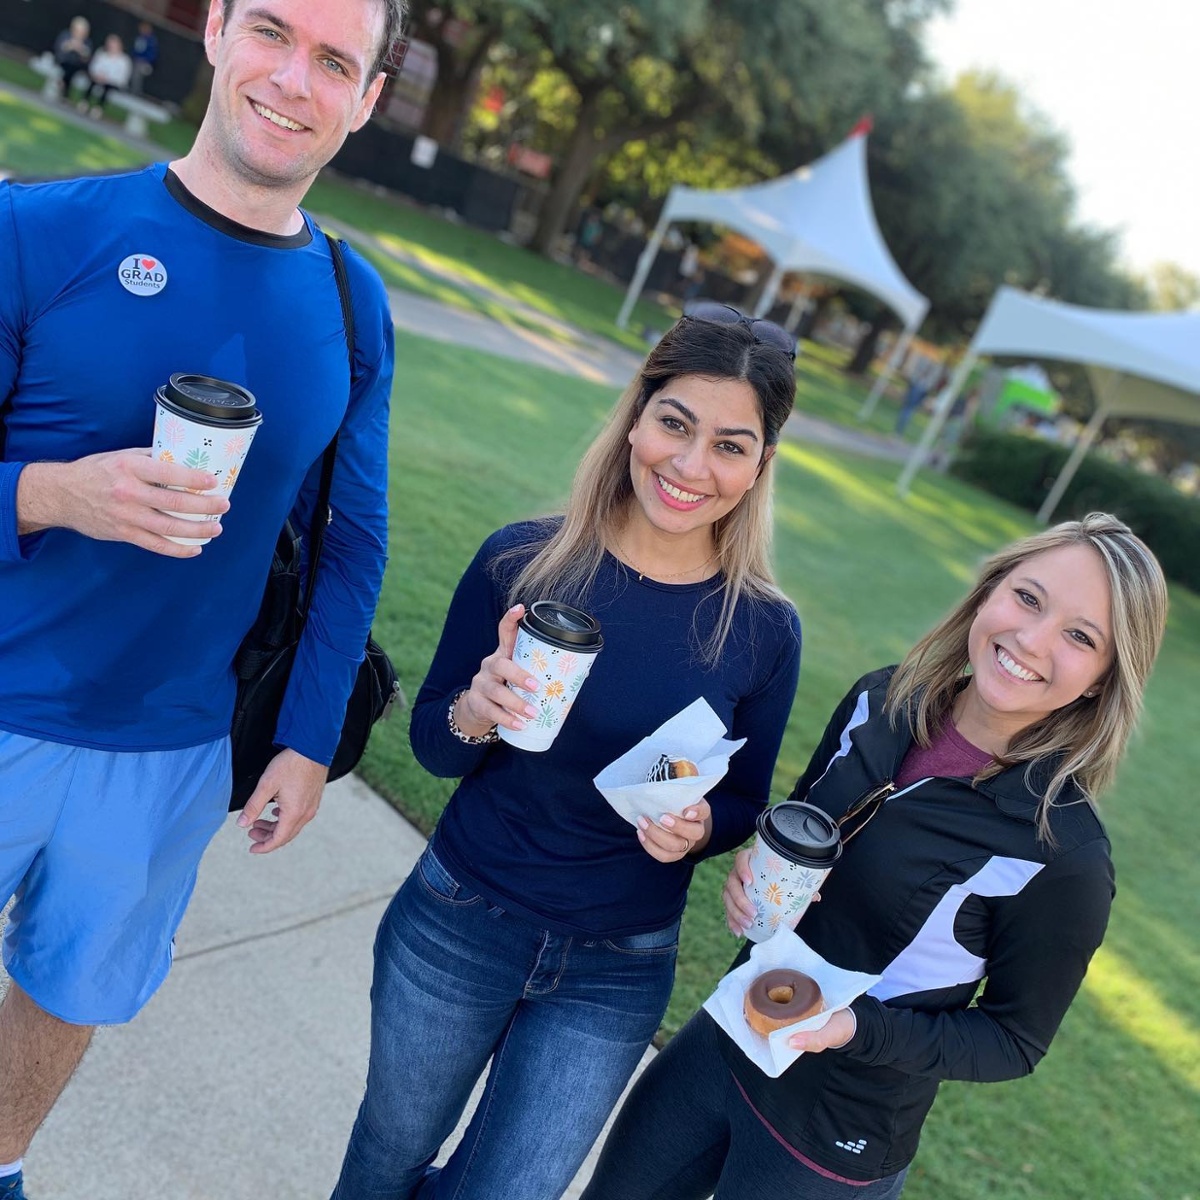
(779, 998)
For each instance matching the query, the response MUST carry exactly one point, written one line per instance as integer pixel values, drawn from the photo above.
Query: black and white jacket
(947, 886)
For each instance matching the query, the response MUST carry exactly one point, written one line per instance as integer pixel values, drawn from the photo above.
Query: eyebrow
(1082, 620)
(263, 14)
(695, 420)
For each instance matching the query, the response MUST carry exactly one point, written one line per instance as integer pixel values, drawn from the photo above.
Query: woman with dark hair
(539, 929)
(964, 781)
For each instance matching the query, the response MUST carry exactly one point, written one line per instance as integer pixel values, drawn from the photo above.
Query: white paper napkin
(695, 733)
(772, 1054)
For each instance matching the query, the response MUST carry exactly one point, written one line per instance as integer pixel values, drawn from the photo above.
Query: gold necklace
(662, 577)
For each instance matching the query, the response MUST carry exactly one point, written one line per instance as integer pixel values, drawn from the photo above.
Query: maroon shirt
(949, 754)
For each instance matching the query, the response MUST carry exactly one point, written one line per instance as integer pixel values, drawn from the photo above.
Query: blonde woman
(965, 780)
(539, 929)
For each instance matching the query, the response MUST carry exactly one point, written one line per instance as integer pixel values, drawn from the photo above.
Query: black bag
(264, 659)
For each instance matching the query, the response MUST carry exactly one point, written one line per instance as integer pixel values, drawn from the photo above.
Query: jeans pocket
(659, 942)
(440, 883)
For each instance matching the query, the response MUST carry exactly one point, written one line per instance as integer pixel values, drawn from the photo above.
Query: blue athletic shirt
(106, 645)
(530, 831)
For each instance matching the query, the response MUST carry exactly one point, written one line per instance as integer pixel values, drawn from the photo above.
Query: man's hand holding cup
(115, 497)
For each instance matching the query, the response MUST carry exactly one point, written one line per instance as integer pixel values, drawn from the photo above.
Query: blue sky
(1122, 81)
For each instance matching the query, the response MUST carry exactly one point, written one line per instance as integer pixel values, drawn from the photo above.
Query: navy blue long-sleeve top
(529, 831)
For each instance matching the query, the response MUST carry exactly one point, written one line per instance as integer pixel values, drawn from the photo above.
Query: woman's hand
(833, 1035)
(739, 911)
(489, 701)
(674, 837)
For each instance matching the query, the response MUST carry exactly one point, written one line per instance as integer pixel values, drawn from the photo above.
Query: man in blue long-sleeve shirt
(116, 647)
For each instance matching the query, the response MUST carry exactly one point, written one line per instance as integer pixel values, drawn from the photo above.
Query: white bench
(139, 110)
(45, 66)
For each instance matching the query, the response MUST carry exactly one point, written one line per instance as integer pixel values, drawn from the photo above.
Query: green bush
(1022, 469)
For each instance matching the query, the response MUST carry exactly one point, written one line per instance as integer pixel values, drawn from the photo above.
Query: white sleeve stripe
(862, 710)
(934, 959)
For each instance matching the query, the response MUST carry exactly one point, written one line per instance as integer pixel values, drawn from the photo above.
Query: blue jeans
(565, 1021)
(687, 1133)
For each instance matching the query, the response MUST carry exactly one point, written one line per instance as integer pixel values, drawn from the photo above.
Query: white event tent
(1141, 365)
(817, 220)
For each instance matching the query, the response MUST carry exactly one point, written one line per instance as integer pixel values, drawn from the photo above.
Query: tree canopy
(970, 186)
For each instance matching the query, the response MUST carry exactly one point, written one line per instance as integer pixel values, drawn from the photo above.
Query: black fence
(384, 156)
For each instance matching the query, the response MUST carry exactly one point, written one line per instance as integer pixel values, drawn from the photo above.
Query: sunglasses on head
(859, 814)
(765, 333)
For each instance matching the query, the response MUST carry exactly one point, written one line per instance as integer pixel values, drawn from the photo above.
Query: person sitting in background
(110, 67)
(72, 50)
(145, 55)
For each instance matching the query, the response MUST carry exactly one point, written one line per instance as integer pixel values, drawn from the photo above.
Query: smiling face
(695, 451)
(1042, 639)
(289, 85)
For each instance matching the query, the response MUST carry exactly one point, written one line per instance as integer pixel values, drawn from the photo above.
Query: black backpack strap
(321, 512)
(343, 286)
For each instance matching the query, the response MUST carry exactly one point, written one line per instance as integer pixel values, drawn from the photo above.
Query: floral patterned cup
(796, 846)
(204, 423)
(557, 645)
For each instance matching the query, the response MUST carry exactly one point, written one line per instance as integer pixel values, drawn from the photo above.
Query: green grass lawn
(869, 573)
(36, 143)
(469, 268)
(40, 144)
(17, 72)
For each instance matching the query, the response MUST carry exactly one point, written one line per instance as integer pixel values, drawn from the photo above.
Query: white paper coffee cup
(789, 864)
(207, 424)
(557, 645)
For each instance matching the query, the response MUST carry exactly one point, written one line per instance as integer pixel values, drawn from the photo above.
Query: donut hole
(781, 994)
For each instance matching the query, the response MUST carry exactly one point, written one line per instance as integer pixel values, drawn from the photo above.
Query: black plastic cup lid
(562, 626)
(204, 396)
(801, 832)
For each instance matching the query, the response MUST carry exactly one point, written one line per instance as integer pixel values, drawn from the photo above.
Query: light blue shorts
(99, 850)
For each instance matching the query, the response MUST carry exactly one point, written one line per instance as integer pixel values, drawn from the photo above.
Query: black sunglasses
(765, 333)
(859, 814)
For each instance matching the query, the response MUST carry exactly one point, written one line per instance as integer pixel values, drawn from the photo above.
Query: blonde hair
(1083, 740)
(567, 564)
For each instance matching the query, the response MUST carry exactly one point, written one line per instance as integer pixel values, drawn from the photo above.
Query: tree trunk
(576, 167)
(195, 104)
(813, 316)
(864, 353)
(447, 109)
(454, 90)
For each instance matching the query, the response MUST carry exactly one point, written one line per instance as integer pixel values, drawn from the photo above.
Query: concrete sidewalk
(241, 1078)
